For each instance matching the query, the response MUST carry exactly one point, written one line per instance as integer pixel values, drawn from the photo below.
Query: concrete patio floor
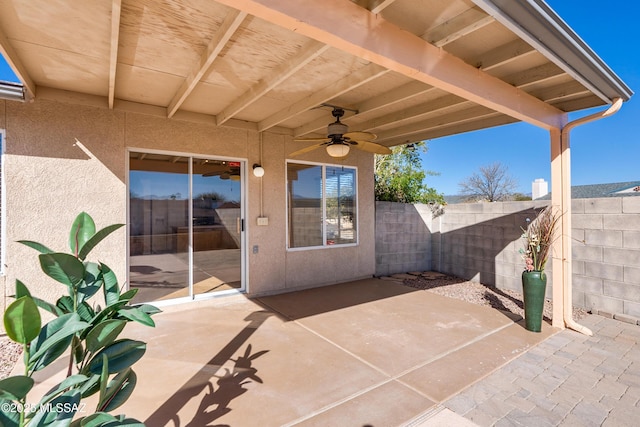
(369, 352)
(364, 353)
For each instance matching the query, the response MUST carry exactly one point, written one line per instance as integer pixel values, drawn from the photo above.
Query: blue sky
(604, 151)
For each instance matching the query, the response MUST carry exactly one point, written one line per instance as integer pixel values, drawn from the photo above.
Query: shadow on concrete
(216, 401)
(297, 305)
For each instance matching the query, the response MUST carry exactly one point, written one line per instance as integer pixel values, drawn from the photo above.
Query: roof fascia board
(355, 30)
(539, 25)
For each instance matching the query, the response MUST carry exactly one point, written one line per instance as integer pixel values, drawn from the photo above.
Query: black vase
(534, 286)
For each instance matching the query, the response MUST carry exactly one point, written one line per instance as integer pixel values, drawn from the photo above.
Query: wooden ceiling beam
(402, 93)
(281, 73)
(504, 54)
(231, 23)
(456, 117)
(539, 74)
(492, 120)
(350, 82)
(458, 27)
(377, 6)
(352, 29)
(428, 109)
(116, 10)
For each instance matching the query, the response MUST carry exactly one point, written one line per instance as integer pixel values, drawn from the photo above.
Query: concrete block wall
(403, 238)
(481, 242)
(606, 254)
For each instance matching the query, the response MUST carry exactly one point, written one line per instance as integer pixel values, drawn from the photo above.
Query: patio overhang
(405, 70)
(408, 70)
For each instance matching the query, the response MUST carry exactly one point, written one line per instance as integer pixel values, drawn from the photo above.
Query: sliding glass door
(185, 226)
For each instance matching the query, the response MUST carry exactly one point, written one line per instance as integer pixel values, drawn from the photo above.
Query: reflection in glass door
(185, 218)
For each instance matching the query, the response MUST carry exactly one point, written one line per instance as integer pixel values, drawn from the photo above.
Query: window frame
(324, 167)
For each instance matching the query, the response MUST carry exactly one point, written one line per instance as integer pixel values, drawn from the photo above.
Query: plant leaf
(104, 377)
(21, 290)
(104, 334)
(63, 268)
(91, 283)
(65, 304)
(59, 330)
(121, 355)
(72, 381)
(137, 315)
(85, 312)
(97, 419)
(127, 422)
(129, 295)
(149, 309)
(111, 288)
(15, 387)
(108, 312)
(68, 402)
(82, 230)
(95, 239)
(51, 354)
(45, 305)
(22, 320)
(37, 246)
(118, 391)
(9, 418)
(78, 350)
(91, 386)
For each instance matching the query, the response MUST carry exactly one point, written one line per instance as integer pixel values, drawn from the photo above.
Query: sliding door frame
(243, 232)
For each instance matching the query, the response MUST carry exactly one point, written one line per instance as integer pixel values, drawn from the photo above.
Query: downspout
(567, 287)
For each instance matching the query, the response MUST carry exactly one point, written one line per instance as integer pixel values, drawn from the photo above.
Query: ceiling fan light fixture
(337, 150)
(337, 128)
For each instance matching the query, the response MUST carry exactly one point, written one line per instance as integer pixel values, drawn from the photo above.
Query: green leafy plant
(399, 177)
(98, 360)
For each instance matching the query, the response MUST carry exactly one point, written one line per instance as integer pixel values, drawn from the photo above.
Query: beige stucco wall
(49, 180)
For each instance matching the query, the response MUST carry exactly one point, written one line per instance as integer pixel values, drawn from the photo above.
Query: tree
(492, 183)
(399, 176)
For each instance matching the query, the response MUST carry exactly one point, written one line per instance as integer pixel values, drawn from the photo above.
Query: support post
(561, 205)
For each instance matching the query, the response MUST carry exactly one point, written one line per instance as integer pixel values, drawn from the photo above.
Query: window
(321, 202)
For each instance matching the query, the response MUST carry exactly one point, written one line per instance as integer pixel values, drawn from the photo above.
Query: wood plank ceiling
(252, 64)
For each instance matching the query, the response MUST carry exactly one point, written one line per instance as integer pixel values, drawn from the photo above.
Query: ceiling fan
(223, 169)
(339, 140)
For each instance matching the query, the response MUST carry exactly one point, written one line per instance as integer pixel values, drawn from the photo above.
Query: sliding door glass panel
(216, 225)
(305, 205)
(340, 195)
(159, 226)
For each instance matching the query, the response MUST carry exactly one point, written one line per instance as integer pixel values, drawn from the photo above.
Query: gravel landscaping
(9, 354)
(475, 293)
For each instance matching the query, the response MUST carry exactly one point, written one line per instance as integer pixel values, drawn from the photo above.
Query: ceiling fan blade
(372, 147)
(306, 149)
(312, 139)
(358, 136)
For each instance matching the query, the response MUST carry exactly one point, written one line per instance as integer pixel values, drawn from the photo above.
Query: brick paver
(569, 380)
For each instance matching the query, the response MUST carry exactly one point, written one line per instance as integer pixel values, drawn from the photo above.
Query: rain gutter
(567, 288)
(540, 26)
